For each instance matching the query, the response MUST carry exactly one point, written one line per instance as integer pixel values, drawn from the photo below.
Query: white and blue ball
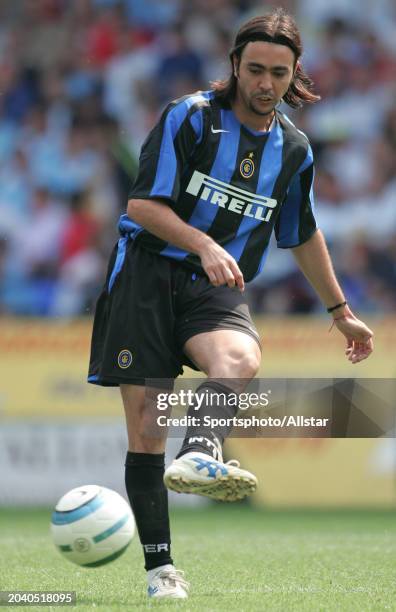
(92, 525)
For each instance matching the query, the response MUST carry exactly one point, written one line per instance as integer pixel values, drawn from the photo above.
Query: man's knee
(250, 364)
(236, 364)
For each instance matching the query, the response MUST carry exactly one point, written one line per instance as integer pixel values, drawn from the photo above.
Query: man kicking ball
(219, 172)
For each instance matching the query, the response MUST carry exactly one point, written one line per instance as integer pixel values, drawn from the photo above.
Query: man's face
(263, 76)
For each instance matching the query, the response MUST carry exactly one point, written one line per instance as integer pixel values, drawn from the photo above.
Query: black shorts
(150, 306)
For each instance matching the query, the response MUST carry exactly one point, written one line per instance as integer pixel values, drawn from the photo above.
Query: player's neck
(259, 123)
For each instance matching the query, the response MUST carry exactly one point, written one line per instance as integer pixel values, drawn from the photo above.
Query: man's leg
(225, 353)
(144, 471)
(230, 358)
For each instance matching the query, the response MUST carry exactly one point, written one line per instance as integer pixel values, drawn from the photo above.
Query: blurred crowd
(83, 81)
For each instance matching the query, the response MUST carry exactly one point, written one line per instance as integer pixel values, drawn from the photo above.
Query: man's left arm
(314, 261)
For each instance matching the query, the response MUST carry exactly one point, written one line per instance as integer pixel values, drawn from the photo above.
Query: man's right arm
(161, 221)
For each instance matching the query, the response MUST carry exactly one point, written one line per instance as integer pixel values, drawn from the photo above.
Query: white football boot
(167, 581)
(199, 473)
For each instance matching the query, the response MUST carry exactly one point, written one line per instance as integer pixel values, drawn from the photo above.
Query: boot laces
(173, 577)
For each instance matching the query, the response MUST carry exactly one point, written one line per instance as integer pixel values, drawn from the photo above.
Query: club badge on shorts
(247, 167)
(124, 359)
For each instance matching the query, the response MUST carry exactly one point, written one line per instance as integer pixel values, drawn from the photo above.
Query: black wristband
(337, 306)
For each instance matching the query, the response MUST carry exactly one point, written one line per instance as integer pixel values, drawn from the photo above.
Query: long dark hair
(277, 27)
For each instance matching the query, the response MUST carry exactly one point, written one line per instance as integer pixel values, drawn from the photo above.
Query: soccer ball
(92, 525)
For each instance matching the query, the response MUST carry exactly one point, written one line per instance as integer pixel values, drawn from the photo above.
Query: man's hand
(220, 266)
(162, 221)
(359, 336)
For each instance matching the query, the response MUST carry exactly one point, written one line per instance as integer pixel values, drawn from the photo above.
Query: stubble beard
(255, 110)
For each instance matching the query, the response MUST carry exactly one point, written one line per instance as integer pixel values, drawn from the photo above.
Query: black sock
(203, 438)
(148, 497)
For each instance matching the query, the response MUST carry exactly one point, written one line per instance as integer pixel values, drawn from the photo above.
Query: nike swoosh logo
(217, 131)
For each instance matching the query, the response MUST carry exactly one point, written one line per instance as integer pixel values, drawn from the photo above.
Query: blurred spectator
(81, 262)
(180, 68)
(80, 230)
(15, 189)
(153, 14)
(19, 91)
(32, 257)
(103, 34)
(134, 62)
(41, 240)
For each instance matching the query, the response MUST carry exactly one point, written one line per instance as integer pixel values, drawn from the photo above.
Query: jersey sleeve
(296, 222)
(165, 153)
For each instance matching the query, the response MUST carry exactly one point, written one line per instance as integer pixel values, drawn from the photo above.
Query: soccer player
(219, 172)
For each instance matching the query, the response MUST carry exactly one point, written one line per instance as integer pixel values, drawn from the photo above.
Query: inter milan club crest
(124, 359)
(247, 166)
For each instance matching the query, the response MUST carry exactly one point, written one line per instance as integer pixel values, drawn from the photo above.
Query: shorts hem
(215, 326)
(107, 381)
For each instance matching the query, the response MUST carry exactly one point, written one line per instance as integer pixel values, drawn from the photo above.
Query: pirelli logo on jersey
(232, 198)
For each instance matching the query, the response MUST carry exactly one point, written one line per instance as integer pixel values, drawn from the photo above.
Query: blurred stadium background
(81, 84)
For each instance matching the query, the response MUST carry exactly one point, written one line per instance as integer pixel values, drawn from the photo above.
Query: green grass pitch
(235, 557)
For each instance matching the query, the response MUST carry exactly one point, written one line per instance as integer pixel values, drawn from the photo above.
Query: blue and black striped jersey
(232, 183)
